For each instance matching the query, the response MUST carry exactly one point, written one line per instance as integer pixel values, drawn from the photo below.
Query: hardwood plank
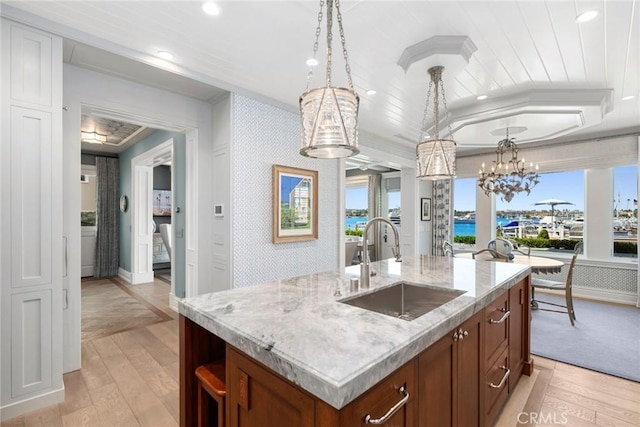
(594, 396)
(145, 405)
(536, 397)
(518, 399)
(171, 401)
(49, 416)
(111, 407)
(158, 380)
(590, 379)
(156, 348)
(606, 420)
(543, 363)
(93, 371)
(76, 393)
(552, 404)
(166, 336)
(82, 417)
(173, 371)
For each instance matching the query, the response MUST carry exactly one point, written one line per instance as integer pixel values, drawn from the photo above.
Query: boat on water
(469, 218)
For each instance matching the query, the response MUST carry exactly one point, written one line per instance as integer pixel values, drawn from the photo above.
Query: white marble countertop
(299, 328)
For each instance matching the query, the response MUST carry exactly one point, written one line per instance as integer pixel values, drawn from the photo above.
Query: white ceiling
(541, 70)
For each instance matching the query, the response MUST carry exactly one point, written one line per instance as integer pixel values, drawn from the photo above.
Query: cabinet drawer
(496, 318)
(378, 401)
(496, 386)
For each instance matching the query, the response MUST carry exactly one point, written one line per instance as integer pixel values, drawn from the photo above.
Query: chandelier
(329, 114)
(508, 177)
(436, 157)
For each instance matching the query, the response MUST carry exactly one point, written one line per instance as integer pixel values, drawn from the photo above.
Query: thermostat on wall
(217, 210)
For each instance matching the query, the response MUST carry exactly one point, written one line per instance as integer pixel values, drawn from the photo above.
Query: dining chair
(565, 286)
(517, 247)
(447, 249)
(489, 254)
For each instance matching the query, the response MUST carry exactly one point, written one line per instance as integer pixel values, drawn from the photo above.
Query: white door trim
(142, 210)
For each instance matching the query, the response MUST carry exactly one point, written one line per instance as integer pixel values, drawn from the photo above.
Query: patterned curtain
(107, 248)
(442, 214)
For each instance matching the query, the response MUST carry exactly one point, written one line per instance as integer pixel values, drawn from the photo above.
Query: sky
(568, 186)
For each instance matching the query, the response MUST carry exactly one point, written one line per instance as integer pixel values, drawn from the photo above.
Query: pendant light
(436, 157)
(329, 114)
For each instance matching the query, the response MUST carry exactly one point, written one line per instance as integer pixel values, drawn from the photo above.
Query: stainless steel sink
(404, 300)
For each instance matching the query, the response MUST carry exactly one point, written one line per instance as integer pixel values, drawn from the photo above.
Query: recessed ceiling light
(312, 62)
(481, 97)
(586, 16)
(628, 97)
(210, 8)
(165, 55)
(371, 92)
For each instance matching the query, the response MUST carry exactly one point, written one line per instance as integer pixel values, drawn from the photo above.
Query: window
(625, 211)
(356, 203)
(464, 208)
(556, 205)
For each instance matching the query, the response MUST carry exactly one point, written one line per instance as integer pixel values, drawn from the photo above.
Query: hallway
(129, 376)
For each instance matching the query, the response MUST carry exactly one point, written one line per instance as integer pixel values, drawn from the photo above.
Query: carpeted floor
(109, 307)
(606, 337)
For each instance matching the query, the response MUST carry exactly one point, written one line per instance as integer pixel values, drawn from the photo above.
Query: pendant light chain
(315, 44)
(446, 109)
(347, 67)
(436, 74)
(426, 112)
(329, 39)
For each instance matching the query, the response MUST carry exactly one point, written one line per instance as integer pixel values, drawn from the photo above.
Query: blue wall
(178, 196)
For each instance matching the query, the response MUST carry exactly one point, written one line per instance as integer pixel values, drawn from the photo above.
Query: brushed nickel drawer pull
(504, 379)
(504, 317)
(385, 417)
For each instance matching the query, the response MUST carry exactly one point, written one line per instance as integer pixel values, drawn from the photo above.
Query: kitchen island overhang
(300, 329)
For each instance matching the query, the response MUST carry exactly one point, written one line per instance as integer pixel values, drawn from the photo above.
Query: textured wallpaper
(264, 135)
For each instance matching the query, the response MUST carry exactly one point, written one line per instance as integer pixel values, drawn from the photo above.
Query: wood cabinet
(518, 330)
(461, 380)
(380, 399)
(448, 376)
(257, 397)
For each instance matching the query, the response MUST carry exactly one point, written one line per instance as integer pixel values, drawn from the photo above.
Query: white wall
(264, 135)
(141, 104)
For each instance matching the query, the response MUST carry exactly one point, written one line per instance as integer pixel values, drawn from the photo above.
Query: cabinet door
(470, 365)
(436, 369)
(257, 397)
(378, 401)
(517, 301)
(496, 327)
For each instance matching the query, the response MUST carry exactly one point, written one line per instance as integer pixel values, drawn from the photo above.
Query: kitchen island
(300, 333)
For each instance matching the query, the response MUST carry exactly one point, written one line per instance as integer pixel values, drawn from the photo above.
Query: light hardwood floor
(131, 379)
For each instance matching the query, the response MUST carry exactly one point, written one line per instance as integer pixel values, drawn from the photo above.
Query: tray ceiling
(539, 68)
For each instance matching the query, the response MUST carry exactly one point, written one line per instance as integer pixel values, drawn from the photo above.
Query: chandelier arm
(343, 40)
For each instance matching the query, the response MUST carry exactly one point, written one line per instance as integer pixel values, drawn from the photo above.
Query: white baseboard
(137, 278)
(173, 302)
(124, 275)
(31, 404)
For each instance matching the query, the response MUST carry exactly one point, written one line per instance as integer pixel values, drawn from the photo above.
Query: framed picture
(426, 209)
(295, 204)
(161, 202)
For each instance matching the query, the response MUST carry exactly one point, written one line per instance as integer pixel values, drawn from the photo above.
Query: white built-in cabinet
(32, 249)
